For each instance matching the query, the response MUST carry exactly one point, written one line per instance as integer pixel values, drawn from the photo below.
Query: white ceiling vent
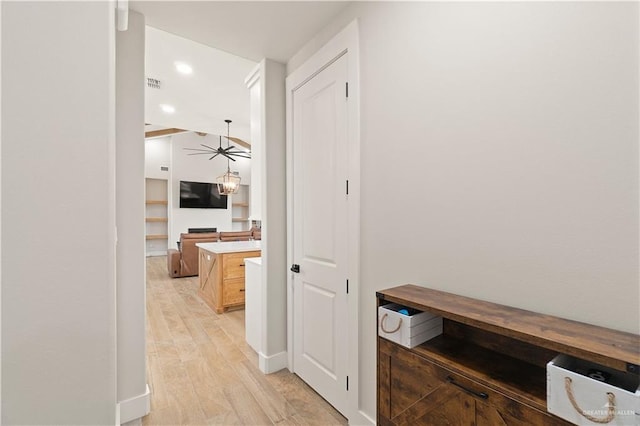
(154, 83)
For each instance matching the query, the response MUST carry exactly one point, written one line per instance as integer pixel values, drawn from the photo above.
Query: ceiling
(222, 41)
(251, 29)
(214, 91)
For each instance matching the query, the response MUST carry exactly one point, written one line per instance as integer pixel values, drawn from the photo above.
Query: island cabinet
(222, 272)
(488, 367)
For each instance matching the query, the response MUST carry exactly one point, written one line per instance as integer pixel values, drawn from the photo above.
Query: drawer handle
(389, 331)
(472, 392)
(242, 289)
(242, 264)
(611, 405)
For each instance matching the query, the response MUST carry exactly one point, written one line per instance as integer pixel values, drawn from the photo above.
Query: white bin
(598, 393)
(409, 329)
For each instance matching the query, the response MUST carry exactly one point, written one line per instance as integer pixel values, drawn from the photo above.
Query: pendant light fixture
(228, 183)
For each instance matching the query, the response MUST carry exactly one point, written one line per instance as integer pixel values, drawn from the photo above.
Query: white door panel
(320, 173)
(319, 303)
(320, 232)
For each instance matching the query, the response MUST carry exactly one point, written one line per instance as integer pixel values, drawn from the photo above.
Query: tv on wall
(201, 195)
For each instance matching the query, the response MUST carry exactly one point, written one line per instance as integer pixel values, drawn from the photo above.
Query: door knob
(295, 268)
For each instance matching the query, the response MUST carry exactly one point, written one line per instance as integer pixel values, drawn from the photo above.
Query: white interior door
(320, 148)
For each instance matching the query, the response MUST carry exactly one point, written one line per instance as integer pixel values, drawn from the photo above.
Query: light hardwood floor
(201, 370)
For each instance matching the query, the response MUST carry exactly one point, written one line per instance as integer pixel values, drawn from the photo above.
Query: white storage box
(583, 393)
(407, 326)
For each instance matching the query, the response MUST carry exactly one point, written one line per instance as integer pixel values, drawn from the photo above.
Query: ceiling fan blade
(228, 156)
(199, 153)
(198, 149)
(239, 151)
(213, 149)
(239, 154)
(214, 156)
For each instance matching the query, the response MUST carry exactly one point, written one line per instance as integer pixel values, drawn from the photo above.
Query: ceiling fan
(229, 152)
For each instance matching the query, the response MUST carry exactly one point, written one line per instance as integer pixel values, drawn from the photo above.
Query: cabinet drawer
(492, 408)
(234, 264)
(233, 291)
(515, 415)
(414, 390)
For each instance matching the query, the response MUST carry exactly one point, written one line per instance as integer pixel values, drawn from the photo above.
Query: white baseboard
(136, 422)
(136, 407)
(156, 253)
(272, 363)
(365, 419)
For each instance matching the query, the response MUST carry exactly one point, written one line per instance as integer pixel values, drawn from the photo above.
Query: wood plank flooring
(202, 372)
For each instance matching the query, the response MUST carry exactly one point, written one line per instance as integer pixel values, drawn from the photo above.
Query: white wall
(130, 211)
(157, 154)
(514, 127)
(269, 93)
(254, 86)
(198, 168)
(58, 213)
(0, 215)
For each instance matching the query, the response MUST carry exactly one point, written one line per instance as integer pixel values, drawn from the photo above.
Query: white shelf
(156, 213)
(240, 209)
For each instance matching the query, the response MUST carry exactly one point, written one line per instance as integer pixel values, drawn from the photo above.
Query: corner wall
(513, 128)
(133, 396)
(58, 213)
(274, 215)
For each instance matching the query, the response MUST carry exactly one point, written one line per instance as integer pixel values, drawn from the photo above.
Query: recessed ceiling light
(169, 109)
(183, 68)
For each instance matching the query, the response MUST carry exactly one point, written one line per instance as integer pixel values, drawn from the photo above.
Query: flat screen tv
(201, 195)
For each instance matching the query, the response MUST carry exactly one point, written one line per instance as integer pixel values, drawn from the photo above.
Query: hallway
(201, 371)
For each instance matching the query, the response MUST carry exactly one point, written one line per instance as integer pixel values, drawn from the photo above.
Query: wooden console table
(488, 367)
(221, 269)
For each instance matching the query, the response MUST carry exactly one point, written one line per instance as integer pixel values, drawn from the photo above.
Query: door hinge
(347, 188)
(347, 382)
(346, 89)
(347, 286)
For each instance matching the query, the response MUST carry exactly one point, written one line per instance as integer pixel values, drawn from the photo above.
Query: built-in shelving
(240, 209)
(157, 237)
(157, 218)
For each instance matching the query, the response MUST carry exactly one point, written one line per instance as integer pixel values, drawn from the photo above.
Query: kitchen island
(222, 269)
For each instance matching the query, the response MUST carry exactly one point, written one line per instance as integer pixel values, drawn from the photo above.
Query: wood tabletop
(612, 348)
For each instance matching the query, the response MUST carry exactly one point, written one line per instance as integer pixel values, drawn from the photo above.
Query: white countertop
(230, 246)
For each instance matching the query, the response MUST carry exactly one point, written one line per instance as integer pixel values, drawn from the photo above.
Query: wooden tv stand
(488, 367)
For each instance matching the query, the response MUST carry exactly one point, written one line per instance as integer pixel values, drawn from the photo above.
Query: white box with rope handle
(585, 393)
(407, 326)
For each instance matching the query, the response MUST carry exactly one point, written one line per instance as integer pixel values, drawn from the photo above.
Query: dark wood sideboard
(488, 367)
